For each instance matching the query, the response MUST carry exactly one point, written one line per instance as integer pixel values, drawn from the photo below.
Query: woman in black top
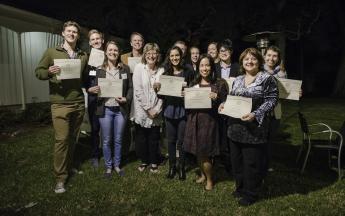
(174, 113)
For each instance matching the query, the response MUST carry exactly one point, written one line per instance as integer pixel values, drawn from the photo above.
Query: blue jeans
(112, 126)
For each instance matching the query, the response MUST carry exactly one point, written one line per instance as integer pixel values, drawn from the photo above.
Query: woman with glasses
(147, 107)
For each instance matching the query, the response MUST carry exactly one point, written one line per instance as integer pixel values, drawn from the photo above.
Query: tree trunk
(339, 87)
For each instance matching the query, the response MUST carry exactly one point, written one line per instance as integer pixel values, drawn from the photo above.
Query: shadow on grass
(286, 179)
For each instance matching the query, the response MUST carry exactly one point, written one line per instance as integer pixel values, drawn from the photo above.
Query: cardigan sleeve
(138, 87)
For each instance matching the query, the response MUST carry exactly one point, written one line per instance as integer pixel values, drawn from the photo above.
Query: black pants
(95, 127)
(175, 129)
(224, 144)
(147, 143)
(273, 129)
(248, 168)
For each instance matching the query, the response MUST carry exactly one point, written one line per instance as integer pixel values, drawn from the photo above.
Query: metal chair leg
(301, 149)
(307, 155)
(339, 165)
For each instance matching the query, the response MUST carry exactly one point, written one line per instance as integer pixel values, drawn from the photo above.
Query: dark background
(315, 29)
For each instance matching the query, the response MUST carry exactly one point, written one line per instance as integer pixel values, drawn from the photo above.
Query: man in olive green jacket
(67, 101)
(137, 44)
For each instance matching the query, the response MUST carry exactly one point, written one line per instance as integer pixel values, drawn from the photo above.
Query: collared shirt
(225, 71)
(74, 55)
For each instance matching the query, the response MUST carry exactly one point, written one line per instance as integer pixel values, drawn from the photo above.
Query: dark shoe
(171, 172)
(182, 173)
(236, 194)
(245, 202)
(107, 174)
(95, 163)
(75, 171)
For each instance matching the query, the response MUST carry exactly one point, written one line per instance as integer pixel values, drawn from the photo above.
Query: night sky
(316, 29)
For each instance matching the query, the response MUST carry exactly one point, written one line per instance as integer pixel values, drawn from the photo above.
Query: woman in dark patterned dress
(249, 134)
(201, 136)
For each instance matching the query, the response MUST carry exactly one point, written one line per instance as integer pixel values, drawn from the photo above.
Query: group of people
(243, 144)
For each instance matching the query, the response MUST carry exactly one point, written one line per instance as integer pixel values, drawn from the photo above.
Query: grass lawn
(27, 180)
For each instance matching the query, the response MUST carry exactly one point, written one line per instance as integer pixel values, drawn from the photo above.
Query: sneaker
(76, 171)
(60, 188)
(119, 171)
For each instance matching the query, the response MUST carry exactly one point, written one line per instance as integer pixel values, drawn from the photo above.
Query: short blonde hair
(148, 47)
(95, 31)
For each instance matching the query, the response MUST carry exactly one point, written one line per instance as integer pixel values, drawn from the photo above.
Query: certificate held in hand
(70, 68)
(289, 89)
(96, 58)
(171, 85)
(110, 88)
(197, 98)
(237, 106)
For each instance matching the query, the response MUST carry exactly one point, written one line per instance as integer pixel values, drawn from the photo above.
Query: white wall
(33, 45)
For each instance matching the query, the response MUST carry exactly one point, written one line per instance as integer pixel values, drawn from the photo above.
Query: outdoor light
(262, 39)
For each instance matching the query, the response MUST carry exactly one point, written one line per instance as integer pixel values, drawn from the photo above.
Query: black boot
(172, 170)
(181, 170)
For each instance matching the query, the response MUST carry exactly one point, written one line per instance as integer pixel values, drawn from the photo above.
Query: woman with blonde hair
(147, 107)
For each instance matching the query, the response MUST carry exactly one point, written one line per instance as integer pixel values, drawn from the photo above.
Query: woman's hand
(54, 69)
(156, 86)
(94, 90)
(121, 100)
(221, 107)
(213, 95)
(151, 113)
(248, 117)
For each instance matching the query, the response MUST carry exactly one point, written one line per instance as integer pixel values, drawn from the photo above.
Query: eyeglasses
(151, 54)
(224, 50)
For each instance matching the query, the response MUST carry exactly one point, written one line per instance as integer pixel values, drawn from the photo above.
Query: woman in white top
(147, 107)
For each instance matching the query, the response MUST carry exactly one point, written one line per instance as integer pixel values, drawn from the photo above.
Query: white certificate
(110, 88)
(289, 89)
(237, 106)
(197, 98)
(96, 58)
(70, 68)
(230, 81)
(132, 62)
(171, 85)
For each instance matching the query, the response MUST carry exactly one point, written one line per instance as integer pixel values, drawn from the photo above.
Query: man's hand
(54, 69)
(94, 90)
